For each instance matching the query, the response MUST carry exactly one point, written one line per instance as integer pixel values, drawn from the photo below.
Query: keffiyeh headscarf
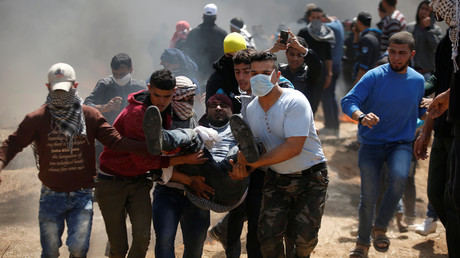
(450, 12)
(185, 89)
(320, 32)
(66, 111)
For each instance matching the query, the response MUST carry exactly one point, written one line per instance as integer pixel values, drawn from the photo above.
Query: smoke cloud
(87, 34)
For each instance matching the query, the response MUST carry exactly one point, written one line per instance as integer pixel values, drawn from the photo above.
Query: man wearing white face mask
(282, 120)
(110, 95)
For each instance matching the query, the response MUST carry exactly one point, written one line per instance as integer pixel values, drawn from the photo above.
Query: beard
(401, 68)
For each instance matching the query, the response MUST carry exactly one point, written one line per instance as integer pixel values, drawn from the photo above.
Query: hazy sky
(88, 33)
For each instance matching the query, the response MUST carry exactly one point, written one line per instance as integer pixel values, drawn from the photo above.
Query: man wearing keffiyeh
(449, 11)
(63, 132)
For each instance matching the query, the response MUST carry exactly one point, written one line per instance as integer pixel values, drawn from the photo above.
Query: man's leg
(307, 211)
(330, 106)
(398, 160)
(139, 209)
(51, 217)
(159, 140)
(274, 215)
(235, 222)
(253, 203)
(111, 197)
(437, 175)
(79, 222)
(370, 161)
(194, 224)
(167, 210)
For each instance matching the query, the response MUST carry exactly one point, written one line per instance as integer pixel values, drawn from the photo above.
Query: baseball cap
(234, 42)
(365, 18)
(210, 9)
(61, 76)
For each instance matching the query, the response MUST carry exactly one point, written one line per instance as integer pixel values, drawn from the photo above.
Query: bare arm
(197, 183)
(422, 141)
(329, 74)
(285, 151)
(439, 105)
(2, 165)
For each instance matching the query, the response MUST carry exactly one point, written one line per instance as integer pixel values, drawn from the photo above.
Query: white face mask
(261, 84)
(123, 81)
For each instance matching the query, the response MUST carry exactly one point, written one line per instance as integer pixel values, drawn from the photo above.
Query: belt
(122, 179)
(309, 170)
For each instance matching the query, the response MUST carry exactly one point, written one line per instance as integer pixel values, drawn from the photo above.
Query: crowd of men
(256, 152)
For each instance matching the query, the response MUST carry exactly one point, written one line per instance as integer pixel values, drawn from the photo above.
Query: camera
(284, 35)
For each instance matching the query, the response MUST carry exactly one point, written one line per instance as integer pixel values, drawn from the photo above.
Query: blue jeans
(57, 209)
(171, 206)
(371, 160)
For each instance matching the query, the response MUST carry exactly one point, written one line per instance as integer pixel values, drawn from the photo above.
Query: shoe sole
(246, 141)
(152, 130)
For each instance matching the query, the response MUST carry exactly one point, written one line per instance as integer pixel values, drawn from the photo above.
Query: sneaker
(427, 227)
(212, 233)
(246, 141)
(152, 130)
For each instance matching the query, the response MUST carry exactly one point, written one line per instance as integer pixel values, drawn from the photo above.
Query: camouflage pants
(292, 207)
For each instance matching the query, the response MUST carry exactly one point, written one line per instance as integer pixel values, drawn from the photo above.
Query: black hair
(209, 19)
(243, 56)
(417, 19)
(120, 60)
(163, 79)
(316, 9)
(302, 42)
(265, 56)
(391, 2)
(402, 38)
(381, 7)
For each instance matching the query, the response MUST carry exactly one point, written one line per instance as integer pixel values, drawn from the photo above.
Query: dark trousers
(116, 198)
(438, 177)
(171, 207)
(250, 208)
(330, 106)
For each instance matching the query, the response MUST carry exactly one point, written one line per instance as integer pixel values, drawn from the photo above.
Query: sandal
(360, 251)
(379, 238)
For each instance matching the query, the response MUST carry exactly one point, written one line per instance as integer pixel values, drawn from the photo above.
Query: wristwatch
(360, 118)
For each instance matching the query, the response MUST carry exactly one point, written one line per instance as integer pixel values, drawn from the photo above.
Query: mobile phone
(284, 35)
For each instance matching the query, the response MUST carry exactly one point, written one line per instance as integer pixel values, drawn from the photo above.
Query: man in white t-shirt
(294, 193)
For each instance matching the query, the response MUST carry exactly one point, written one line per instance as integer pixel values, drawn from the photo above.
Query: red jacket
(129, 124)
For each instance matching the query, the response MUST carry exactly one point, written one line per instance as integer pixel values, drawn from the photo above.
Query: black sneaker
(152, 130)
(245, 138)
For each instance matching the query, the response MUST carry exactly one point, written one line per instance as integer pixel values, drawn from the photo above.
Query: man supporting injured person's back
(221, 147)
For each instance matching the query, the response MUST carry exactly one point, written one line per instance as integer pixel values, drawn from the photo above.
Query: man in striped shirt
(392, 23)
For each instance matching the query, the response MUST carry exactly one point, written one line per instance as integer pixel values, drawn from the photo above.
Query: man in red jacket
(124, 185)
(63, 132)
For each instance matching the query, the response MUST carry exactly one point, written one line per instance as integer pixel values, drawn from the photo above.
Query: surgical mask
(316, 24)
(123, 81)
(261, 84)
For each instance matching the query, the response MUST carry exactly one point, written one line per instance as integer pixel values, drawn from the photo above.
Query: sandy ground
(19, 194)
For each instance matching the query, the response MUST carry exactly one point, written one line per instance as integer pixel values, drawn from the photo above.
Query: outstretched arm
(439, 105)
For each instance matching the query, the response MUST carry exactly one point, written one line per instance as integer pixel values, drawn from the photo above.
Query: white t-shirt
(290, 116)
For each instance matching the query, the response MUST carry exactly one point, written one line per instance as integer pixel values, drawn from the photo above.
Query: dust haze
(87, 34)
